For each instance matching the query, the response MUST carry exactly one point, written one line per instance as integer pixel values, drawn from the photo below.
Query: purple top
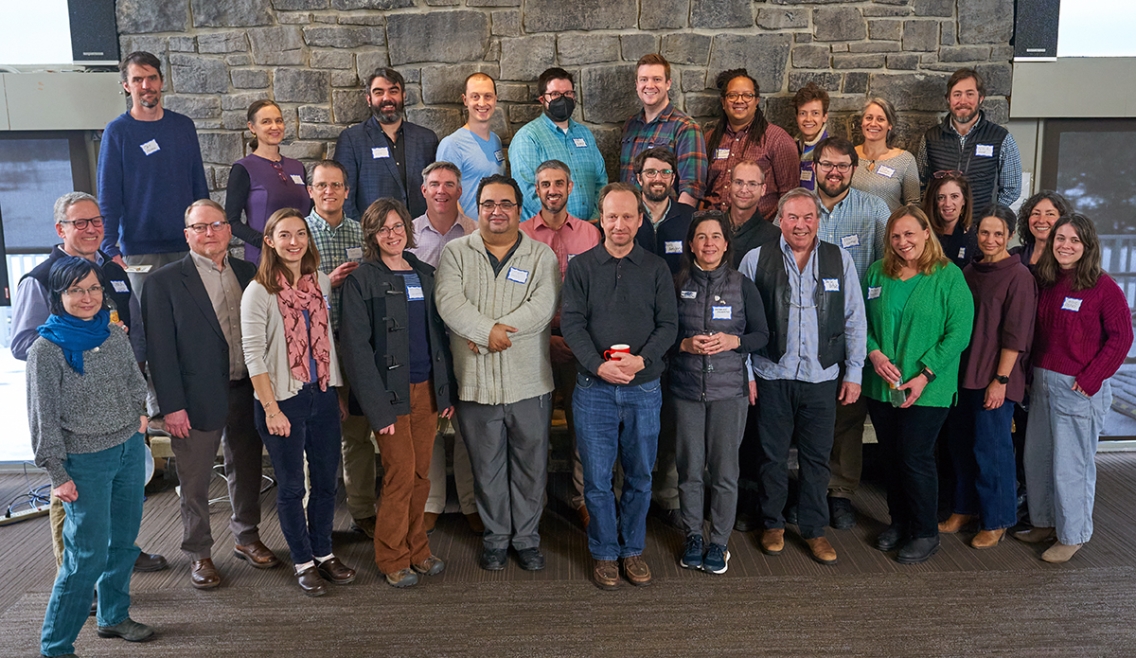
(260, 187)
(1005, 306)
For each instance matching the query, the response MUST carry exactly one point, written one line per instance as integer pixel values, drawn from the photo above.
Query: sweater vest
(119, 291)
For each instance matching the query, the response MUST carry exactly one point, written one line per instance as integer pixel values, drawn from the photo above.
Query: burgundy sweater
(1085, 334)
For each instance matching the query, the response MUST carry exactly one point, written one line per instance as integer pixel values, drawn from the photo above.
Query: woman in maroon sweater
(1083, 333)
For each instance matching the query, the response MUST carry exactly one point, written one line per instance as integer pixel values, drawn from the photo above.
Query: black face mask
(560, 109)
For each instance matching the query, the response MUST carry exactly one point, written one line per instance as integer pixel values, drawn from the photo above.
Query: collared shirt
(397, 148)
(541, 140)
(673, 130)
(225, 294)
(574, 237)
(336, 246)
(1009, 162)
(857, 224)
(802, 345)
(775, 153)
(499, 264)
(430, 242)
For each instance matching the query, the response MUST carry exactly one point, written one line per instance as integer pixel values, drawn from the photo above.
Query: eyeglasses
(397, 229)
(735, 96)
(843, 167)
(553, 95)
(490, 206)
(93, 291)
(335, 187)
(201, 228)
(744, 184)
(949, 173)
(279, 167)
(82, 224)
(652, 173)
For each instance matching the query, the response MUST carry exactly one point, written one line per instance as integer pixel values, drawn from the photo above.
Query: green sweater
(933, 331)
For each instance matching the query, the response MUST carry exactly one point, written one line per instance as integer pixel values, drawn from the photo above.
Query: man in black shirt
(751, 230)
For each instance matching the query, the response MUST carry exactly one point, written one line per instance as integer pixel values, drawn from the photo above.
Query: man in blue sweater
(149, 171)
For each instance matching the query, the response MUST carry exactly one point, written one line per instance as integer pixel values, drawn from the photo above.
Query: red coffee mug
(616, 349)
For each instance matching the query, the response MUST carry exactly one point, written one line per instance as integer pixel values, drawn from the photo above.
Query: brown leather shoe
(955, 523)
(585, 517)
(606, 574)
(773, 541)
(476, 526)
(311, 582)
(257, 555)
(821, 550)
(335, 572)
(1058, 552)
(203, 575)
(636, 570)
(365, 526)
(150, 562)
(429, 521)
(988, 538)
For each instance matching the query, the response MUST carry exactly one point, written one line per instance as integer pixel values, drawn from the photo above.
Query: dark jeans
(314, 416)
(786, 410)
(907, 448)
(982, 450)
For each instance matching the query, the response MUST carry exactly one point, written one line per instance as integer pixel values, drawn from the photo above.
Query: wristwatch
(928, 374)
(1001, 379)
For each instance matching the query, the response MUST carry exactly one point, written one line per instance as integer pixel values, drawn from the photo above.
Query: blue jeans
(617, 421)
(314, 416)
(98, 542)
(982, 451)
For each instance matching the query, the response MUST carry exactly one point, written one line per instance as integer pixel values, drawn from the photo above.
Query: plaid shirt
(541, 140)
(673, 130)
(332, 244)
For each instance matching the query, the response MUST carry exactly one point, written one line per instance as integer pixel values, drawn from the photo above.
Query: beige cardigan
(262, 337)
(471, 300)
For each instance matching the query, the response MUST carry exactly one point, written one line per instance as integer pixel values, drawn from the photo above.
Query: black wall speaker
(94, 32)
(1035, 29)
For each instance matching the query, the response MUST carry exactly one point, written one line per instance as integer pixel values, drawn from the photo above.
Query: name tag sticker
(151, 147)
(414, 293)
(673, 246)
(721, 313)
(138, 269)
(962, 252)
(571, 256)
(580, 142)
(885, 171)
(297, 179)
(380, 152)
(849, 241)
(689, 294)
(984, 150)
(1071, 304)
(518, 276)
(355, 253)
(832, 285)
(806, 175)
(120, 286)
(499, 155)
(721, 154)
(874, 291)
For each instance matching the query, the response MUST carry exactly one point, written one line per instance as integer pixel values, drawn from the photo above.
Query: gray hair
(798, 193)
(443, 165)
(889, 112)
(64, 203)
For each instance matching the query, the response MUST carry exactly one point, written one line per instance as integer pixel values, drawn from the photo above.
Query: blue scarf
(75, 336)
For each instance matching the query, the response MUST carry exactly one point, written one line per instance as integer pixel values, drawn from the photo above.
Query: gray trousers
(508, 450)
(195, 457)
(707, 437)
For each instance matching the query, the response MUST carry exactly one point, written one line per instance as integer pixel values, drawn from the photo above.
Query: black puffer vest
(710, 302)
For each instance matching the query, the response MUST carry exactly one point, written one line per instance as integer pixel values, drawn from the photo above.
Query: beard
(656, 192)
(387, 112)
(834, 191)
(963, 117)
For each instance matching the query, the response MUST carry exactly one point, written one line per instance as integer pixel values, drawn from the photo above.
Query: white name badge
(806, 175)
(832, 285)
(499, 155)
(120, 286)
(689, 294)
(355, 253)
(297, 179)
(1071, 304)
(380, 152)
(517, 275)
(571, 256)
(885, 171)
(151, 147)
(962, 252)
(850, 241)
(580, 142)
(721, 154)
(984, 150)
(721, 313)
(414, 293)
(672, 246)
(874, 291)
(138, 269)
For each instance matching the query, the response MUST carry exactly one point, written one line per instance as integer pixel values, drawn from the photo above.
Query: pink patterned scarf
(293, 301)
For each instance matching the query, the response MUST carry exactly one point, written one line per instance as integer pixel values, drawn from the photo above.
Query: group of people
(697, 319)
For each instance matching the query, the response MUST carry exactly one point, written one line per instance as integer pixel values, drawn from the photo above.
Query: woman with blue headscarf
(87, 414)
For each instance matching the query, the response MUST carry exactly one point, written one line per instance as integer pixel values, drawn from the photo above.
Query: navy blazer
(185, 347)
(371, 178)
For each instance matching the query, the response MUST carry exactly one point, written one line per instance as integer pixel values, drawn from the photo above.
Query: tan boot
(988, 538)
(821, 550)
(1059, 552)
(476, 526)
(773, 541)
(955, 523)
(1036, 535)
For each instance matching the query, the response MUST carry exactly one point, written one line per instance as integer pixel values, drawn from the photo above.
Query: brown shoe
(203, 575)
(821, 550)
(585, 518)
(365, 526)
(1036, 535)
(257, 555)
(773, 541)
(988, 538)
(1058, 552)
(431, 566)
(636, 570)
(955, 523)
(335, 572)
(606, 574)
(429, 521)
(311, 582)
(476, 526)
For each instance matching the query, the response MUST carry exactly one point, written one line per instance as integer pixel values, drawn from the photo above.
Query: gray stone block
(885, 29)
(297, 18)
(721, 13)
(855, 83)
(921, 35)
(182, 44)
(298, 5)
(441, 36)
(442, 120)
(824, 79)
(443, 3)
(997, 110)
(195, 106)
(1001, 53)
(222, 42)
(664, 14)
(694, 80)
(894, 2)
(839, 47)
(347, 5)
(964, 53)
(367, 61)
(361, 19)
(883, 11)
(780, 18)
(201, 125)
(609, 93)
(277, 45)
(221, 148)
(765, 56)
(858, 61)
(332, 59)
(301, 85)
(560, 16)
(493, 3)
(802, 37)
(146, 16)
(344, 79)
(313, 114)
(303, 150)
(525, 58)
(874, 47)
(998, 78)
(811, 56)
(921, 92)
(903, 61)
(506, 23)
(344, 36)
(948, 34)
(513, 93)
(577, 49)
(942, 8)
(685, 48)
(238, 59)
(231, 13)
(249, 78)
(234, 120)
(839, 24)
(241, 100)
(702, 104)
(320, 131)
(522, 114)
(445, 83)
(198, 75)
(985, 21)
(634, 46)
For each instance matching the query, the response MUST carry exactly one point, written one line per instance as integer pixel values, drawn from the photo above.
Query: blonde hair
(932, 256)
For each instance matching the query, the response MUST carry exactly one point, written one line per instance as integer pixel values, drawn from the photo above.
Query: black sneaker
(493, 559)
(691, 553)
(840, 513)
(889, 539)
(717, 559)
(531, 559)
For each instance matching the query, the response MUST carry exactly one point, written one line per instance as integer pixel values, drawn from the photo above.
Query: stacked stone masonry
(313, 56)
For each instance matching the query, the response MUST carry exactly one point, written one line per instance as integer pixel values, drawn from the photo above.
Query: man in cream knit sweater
(497, 292)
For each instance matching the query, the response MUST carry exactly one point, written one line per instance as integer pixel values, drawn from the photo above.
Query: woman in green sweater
(920, 315)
